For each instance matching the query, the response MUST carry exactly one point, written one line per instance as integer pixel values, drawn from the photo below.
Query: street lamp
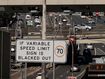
(72, 41)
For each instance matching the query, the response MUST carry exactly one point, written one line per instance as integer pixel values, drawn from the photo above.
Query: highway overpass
(97, 39)
(52, 2)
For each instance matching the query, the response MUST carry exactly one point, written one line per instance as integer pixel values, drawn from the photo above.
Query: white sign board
(40, 51)
(60, 51)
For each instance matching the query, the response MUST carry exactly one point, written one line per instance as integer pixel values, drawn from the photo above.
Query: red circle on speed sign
(59, 51)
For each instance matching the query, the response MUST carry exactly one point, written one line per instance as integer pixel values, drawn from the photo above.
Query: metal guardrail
(80, 41)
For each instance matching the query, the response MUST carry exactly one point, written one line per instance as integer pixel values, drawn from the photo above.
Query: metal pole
(1, 56)
(53, 70)
(53, 62)
(96, 19)
(44, 20)
(54, 24)
(18, 31)
(72, 46)
(25, 64)
(21, 72)
(44, 34)
(53, 45)
(72, 57)
(95, 51)
(25, 71)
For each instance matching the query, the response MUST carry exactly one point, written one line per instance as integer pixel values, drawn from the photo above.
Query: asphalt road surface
(62, 72)
(99, 49)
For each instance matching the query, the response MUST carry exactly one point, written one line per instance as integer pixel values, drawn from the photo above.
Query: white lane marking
(101, 50)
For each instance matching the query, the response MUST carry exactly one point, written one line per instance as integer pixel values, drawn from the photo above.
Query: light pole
(44, 34)
(72, 41)
(44, 21)
(72, 56)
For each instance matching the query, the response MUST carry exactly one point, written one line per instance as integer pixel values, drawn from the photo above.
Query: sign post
(44, 33)
(60, 50)
(43, 51)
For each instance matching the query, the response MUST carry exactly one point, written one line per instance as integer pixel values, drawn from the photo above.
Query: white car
(82, 27)
(68, 24)
(29, 22)
(38, 25)
(37, 20)
(64, 20)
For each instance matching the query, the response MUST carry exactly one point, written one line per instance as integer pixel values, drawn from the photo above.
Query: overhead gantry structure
(51, 2)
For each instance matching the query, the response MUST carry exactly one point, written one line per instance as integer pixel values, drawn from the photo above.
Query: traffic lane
(103, 18)
(77, 19)
(31, 73)
(99, 20)
(100, 48)
(98, 29)
(100, 45)
(62, 72)
(82, 47)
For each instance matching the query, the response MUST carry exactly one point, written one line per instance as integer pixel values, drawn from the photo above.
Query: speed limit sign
(60, 51)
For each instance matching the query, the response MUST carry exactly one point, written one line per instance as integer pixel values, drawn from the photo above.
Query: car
(64, 20)
(82, 27)
(37, 20)
(29, 23)
(68, 24)
(75, 69)
(38, 25)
